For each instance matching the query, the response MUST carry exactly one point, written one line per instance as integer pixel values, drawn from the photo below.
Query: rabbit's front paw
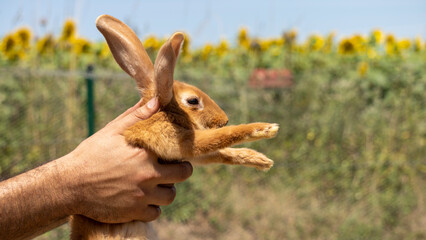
(265, 130)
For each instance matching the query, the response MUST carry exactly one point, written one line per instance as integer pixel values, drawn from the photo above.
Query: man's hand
(103, 178)
(117, 182)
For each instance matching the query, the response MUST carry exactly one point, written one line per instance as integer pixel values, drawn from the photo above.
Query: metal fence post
(90, 100)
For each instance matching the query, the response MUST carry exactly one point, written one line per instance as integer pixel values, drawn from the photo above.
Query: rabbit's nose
(224, 123)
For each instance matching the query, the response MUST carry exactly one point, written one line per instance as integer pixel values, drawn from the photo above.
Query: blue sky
(211, 20)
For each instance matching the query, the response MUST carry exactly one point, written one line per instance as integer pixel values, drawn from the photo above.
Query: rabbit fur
(190, 126)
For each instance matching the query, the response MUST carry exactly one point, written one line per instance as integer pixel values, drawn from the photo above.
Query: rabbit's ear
(165, 65)
(128, 52)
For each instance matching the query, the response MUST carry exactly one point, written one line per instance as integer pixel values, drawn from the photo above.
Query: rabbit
(189, 126)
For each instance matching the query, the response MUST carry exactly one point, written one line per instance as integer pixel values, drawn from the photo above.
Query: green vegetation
(349, 158)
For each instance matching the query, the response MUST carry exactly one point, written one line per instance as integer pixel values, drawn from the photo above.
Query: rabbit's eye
(192, 101)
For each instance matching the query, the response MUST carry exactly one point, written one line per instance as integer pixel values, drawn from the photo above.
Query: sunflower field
(349, 157)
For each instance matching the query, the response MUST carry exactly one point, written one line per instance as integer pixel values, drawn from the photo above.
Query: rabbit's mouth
(216, 124)
(223, 124)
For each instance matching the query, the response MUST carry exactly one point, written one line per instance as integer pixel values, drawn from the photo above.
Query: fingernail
(138, 104)
(152, 103)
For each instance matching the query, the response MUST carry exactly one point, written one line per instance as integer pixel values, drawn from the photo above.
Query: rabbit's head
(156, 80)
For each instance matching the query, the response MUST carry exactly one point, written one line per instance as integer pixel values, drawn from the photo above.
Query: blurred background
(345, 80)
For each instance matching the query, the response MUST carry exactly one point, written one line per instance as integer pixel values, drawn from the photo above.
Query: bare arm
(103, 178)
(34, 202)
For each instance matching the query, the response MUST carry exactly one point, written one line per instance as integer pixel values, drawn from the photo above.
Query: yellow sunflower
(223, 48)
(360, 43)
(362, 68)
(152, 42)
(315, 42)
(243, 38)
(206, 51)
(68, 30)
(329, 42)
(104, 51)
(11, 49)
(8, 44)
(45, 45)
(418, 46)
(347, 46)
(23, 37)
(185, 45)
(81, 46)
(290, 37)
(390, 45)
(403, 44)
(376, 36)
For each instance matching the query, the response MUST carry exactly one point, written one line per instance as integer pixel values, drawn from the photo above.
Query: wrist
(68, 179)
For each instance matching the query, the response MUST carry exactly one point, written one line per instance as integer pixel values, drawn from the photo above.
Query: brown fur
(180, 130)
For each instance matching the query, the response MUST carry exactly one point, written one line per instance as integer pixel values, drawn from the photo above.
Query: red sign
(271, 78)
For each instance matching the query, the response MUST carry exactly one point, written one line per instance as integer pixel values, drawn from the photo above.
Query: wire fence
(44, 113)
(345, 168)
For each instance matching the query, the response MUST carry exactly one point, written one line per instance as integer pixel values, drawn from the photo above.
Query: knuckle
(139, 196)
(186, 170)
(171, 195)
(153, 176)
(155, 213)
(141, 113)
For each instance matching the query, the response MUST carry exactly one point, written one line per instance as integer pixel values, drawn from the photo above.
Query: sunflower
(265, 44)
(418, 44)
(103, 52)
(255, 45)
(346, 46)
(329, 42)
(206, 51)
(152, 42)
(185, 45)
(403, 44)
(68, 30)
(45, 45)
(23, 37)
(376, 37)
(243, 38)
(362, 68)
(390, 39)
(223, 48)
(290, 37)
(391, 45)
(279, 42)
(11, 49)
(372, 53)
(315, 42)
(360, 43)
(8, 44)
(81, 46)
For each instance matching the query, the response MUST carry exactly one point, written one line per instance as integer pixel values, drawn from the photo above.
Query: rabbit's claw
(265, 130)
(262, 163)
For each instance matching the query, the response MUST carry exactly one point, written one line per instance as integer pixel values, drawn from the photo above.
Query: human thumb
(140, 113)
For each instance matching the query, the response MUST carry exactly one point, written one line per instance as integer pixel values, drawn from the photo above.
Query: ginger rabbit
(190, 126)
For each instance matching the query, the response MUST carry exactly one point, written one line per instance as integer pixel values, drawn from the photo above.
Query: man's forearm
(33, 203)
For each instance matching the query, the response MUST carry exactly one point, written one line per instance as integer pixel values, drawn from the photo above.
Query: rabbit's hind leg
(235, 156)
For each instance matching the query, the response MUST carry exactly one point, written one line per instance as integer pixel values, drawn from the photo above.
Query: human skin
(104, 178)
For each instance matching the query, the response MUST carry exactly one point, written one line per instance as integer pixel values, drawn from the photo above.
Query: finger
(128, 111)
(161, 196)
(174, 172)
(138, 114)
(148, 214)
